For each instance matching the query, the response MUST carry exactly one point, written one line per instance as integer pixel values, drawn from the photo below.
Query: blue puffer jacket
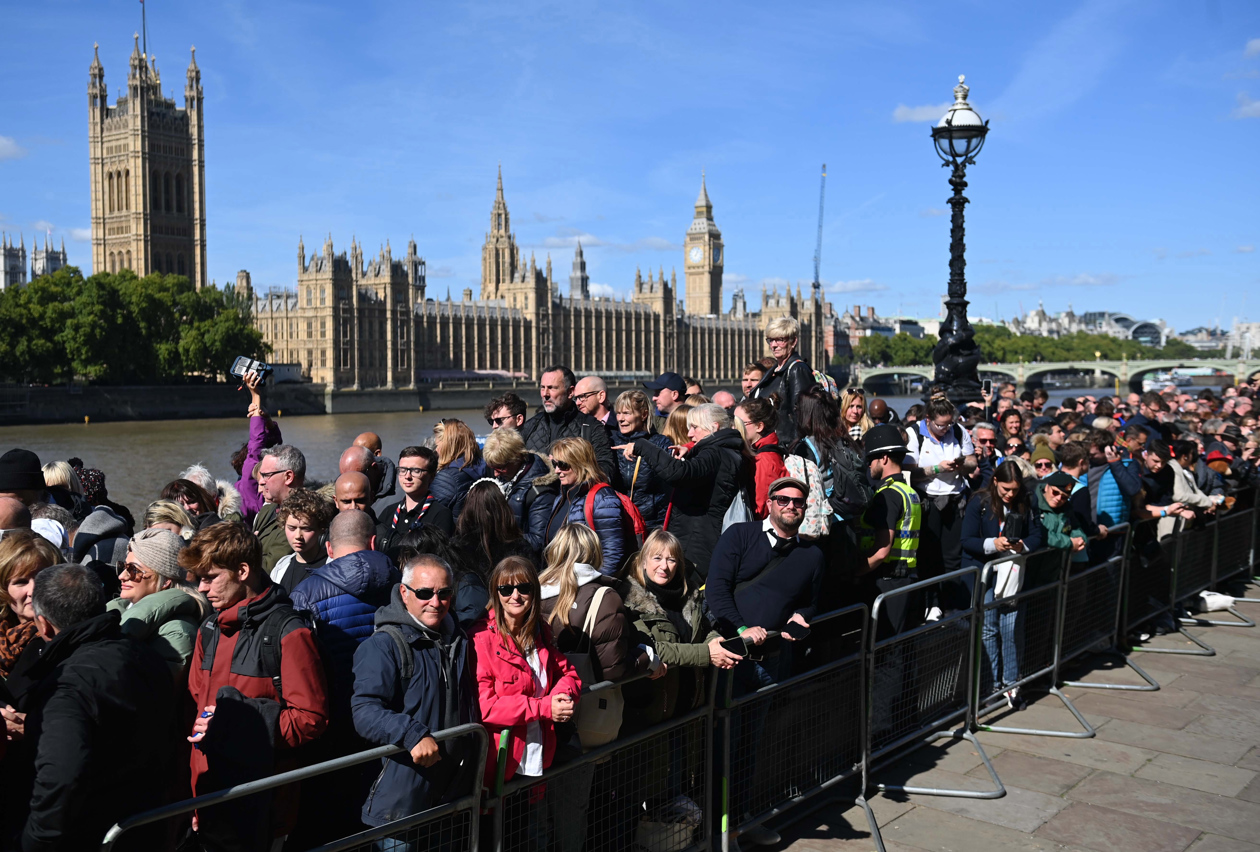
(344, 595)
(451, 483)
(570, 508)
(441, 693)
(650, 493)
(531, 499)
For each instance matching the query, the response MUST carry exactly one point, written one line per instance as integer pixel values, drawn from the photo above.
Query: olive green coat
(167, 621)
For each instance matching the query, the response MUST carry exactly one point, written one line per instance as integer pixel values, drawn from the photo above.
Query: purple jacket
(263, 433)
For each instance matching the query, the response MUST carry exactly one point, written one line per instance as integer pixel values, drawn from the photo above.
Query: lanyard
(411, 525)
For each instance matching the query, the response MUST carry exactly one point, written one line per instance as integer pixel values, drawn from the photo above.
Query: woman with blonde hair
(169, 515)
(459, 463)
(853, 416)
(61, 474)
(789, 376)
(634, 421)
(583, 486)
(23, 554)
(676, 426)
(668, 608)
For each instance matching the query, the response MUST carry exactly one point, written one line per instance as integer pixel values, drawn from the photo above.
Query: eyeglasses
(132, 571)
(561, 465)
(427, 594)
(784, 502)
(413, 471)
(496, 422)
(774, 340)
(986, 440)
(265, 476)
(505, 590)
(582, 396)
(1043, 465)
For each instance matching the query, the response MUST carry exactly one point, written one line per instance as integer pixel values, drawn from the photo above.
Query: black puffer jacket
(705, 482)
(649, 492)
(789, 382)
(94, 765)
(543, 429)
(530, 495)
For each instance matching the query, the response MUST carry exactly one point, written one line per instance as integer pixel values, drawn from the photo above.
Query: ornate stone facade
(148, 177)
(364, 324)
(44, 261)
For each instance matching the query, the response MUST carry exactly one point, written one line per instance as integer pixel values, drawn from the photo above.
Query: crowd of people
(238, 629)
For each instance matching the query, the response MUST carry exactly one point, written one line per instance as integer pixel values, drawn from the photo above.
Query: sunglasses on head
(784, 502)
(427, 594)
(505, 590)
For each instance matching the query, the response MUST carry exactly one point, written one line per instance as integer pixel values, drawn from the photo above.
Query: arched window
(111, 262)
(129, 266)
(110, 182)
(167, 192)
(309, 297)
(179, 263)
(127, 190)
(155, 193)
(179, 193)
(157, 263)
(170, 264)
(322, 295)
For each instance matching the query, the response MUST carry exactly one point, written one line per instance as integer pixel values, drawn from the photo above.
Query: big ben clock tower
(704, 259)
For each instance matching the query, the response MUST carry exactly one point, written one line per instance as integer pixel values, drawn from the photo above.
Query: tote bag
(598, 715)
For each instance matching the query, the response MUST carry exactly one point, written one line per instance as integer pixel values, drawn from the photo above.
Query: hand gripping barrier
(1093, 614)
(452, 827)
(1020, 637)
(651, 789)
(1152, 583)
(920, 683)
(789, 741)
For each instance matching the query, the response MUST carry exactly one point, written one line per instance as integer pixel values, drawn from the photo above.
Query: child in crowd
(306, 515)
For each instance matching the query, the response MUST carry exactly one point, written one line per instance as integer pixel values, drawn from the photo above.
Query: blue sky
(1121, 171)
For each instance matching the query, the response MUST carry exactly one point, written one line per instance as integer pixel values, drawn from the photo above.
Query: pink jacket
(505, 688)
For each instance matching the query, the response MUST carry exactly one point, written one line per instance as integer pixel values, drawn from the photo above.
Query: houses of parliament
(366, 322)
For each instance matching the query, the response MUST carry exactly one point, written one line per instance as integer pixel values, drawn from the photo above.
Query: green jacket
(1061, 525)
(654, 701)
(270, 534)
(167, 621)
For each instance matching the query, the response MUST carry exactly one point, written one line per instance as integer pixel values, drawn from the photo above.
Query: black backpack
(844, 481)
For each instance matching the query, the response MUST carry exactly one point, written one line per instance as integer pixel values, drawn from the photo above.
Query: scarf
(12, 642)
(672, 597)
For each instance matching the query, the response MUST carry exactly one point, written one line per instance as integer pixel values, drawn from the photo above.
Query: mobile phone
(987, 386)
(796, 630)
(243, 365)
(736, 646)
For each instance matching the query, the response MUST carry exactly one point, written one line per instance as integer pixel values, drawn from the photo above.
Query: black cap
(1059, 479)
(20, 470)
(883, 439)
(673, 381)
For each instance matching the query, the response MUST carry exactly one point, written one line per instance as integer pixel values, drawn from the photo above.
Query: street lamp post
(959, 137)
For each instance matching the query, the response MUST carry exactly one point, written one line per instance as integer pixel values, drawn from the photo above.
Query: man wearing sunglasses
(412, 678)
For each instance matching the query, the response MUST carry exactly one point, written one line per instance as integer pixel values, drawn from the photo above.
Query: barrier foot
(1207, 650)
(958, 794)
(1067, 702)
(1209, 622)
(870, 821)
(1151, 684)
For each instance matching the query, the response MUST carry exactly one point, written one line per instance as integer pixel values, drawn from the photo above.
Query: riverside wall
(31, 405)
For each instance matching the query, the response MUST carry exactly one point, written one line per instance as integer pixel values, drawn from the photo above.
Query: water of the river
(139, 458)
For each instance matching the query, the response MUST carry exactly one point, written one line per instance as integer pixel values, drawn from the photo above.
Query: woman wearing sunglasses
(524, 683)
(158, 604)
(579, 473)
(853, 416)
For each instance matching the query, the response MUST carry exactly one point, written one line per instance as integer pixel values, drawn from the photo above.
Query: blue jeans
(1000, 635)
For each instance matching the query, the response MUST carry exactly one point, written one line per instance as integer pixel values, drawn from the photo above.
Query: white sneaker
(760, 835)
(1014, 700)
(934, 614)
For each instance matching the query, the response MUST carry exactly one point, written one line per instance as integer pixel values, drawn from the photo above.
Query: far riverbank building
(359, 322)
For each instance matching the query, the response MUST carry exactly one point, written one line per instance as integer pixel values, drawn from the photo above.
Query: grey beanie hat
(158, 550)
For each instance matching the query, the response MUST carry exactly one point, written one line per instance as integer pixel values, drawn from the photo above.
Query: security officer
(890, 534)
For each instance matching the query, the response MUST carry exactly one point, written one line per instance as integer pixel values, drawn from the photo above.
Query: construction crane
(822, 195)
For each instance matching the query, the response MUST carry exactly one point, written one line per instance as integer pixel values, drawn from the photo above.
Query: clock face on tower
(696, 254)
(717, 255)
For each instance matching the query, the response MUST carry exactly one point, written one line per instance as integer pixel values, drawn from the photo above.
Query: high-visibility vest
(903, 559)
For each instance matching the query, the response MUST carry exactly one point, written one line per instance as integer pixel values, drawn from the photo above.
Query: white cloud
(605, 290)
(933, 212)
(735, 279)
(774, 283)
(921, 113)
(1081, 279)
(81, 235)
(860, 285)
(570, 237)
(10, 149)
(1245, 249)
(43, 226)
(1253, 48)
(440, 272)
(1247, 108)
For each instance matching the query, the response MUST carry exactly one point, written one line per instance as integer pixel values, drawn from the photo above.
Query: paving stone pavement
(1177, 770)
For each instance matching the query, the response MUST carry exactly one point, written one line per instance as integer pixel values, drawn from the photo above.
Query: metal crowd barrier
(455, 824)
(1151, 592)
(920, 683)
(1021, 636)
(785, 743)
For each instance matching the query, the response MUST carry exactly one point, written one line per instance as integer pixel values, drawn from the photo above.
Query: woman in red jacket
(523, 683)
(759, 419)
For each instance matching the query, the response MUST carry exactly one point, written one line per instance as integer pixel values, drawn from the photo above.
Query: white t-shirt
(532, 759)
(924, 450)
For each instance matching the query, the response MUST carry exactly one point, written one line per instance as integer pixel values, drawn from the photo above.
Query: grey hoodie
(101, 536)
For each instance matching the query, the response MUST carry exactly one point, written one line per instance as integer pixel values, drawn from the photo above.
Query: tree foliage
(1000, 345)
(120, 329)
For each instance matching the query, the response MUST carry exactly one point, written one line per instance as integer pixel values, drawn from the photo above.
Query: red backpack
(627, 507)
